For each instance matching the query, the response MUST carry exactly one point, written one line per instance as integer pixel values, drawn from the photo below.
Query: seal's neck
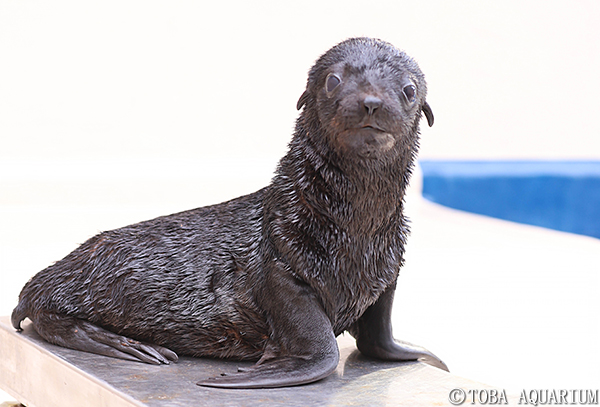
(358, 196)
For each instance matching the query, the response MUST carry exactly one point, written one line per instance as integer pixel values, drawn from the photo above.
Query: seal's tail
(20, 312)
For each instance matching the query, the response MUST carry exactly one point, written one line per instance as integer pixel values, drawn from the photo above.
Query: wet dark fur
(180, 281)
(201, 282)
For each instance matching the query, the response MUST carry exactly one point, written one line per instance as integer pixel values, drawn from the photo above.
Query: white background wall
(191, 79)
(117, 111)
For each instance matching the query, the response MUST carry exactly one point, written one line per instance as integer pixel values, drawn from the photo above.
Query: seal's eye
(410, 93)
(332, 82)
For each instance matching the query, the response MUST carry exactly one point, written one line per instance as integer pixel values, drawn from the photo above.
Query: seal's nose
(371, 103)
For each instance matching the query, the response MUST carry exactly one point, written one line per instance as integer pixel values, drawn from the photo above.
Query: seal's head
(367, 97)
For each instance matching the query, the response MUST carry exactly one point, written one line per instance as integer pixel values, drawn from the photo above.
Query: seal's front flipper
(373, 333)
(278, 372)
(400, 350)
(79, 334)
(302, 347)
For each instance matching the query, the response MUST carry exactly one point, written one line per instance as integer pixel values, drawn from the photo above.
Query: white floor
(505, 304)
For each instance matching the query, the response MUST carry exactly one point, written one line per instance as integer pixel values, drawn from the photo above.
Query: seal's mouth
(372, 127)
(367, 140)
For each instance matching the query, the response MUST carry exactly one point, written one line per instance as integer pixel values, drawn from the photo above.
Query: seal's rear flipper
(19, 314)
(279, 372)
(79, 334)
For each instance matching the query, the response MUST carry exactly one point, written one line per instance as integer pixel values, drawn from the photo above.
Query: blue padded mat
(561, 195)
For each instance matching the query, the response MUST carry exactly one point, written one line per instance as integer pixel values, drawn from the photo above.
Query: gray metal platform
(40, 374)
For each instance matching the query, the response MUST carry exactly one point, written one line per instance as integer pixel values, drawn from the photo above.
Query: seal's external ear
(302, 100)
(428, 113)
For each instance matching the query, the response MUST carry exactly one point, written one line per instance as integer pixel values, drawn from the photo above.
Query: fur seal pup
(273, 276)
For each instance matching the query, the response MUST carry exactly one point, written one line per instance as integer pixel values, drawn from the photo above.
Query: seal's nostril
(371, 103)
